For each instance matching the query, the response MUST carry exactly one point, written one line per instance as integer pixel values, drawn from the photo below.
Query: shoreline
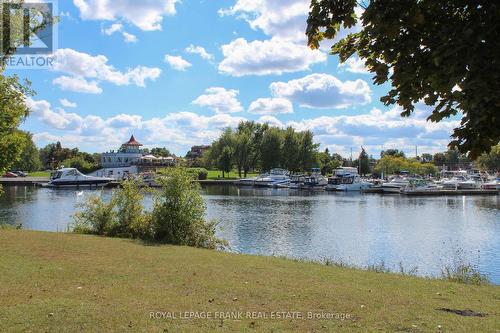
(65, 279)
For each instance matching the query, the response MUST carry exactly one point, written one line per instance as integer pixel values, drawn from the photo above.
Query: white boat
(395, 185)
(315, 181)
(463, 183)
(346, 179)
(246, 181)
(492, 185)
(296, 181)
(275, 177)
(420, 185)
(71, 177)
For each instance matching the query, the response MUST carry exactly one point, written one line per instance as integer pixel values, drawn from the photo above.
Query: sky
(176, 72)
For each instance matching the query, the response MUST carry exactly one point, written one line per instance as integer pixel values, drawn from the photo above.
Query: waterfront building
(129, 153)
(130, 159)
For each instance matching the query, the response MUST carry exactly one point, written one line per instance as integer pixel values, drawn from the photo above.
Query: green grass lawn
(39, 174)
(216, 174)
(67, 282)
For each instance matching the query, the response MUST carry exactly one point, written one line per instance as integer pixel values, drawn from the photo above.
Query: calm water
(428, 232)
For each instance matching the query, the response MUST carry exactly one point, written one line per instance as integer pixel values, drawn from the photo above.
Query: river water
(358, 229)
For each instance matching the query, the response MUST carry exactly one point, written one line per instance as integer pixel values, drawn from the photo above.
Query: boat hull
(78, 183)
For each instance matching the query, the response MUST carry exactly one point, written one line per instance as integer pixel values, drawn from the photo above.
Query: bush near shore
(177, 216)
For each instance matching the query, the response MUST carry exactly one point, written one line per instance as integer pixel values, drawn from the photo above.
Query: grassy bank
(216, 174)
(39, 174)
(68, 282)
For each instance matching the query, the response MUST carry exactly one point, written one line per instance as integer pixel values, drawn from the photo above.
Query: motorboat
(315, 181)
(474, 182)
(246, 181)
(72, 177)
(346, 179)
(296, 181)
(395, 185)
(492, 185)
(463, 183)
(274, 177)
(420, 185)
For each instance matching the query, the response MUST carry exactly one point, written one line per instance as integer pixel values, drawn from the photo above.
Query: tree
(242, 151)
(364, 162)
(307, 151)
(13, 110)
(30, 158)
(160, 152)
(179, 212)
(291, 150)
(225, 160)
(392, 152)
(490, 161)
(270, 148)
(80, 163)
(444, 53)
(438, 159)
(427, 157)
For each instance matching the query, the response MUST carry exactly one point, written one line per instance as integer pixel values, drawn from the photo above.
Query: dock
(451, 192)
(38, 181)
(23, 181)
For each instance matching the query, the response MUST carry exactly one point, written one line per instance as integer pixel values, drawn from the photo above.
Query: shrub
(179, 210)
(177, 216)
(95, 216)
(131, 218)
(464, 273)
(199, 173)
(122, 216)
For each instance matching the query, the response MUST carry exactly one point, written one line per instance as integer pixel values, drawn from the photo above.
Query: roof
(132, 142)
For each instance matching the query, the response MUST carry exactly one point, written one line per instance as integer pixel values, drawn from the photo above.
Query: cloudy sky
(174, 73)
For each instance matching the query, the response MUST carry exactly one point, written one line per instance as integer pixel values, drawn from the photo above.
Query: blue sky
(174, 73)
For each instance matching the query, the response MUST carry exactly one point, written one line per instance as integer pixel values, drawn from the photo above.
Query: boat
(395, 185)
(346, 179)
(420, 185)
(72, 177)
(275, 177)
(246, 181)
(463, 183)
(296, 181)
(492, 185)
(315, 181)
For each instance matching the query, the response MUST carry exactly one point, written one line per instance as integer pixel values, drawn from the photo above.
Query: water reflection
(359, 229)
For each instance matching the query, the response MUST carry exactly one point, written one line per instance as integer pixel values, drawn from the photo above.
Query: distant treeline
(252, 146)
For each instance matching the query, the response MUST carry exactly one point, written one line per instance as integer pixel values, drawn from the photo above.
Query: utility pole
(351, 157)
(416, 152)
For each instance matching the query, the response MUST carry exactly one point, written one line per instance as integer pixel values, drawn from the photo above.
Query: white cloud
(124, 120)
(267, 57)
(284, 19)
(118, 27)
(354, 65)
(82, 65)
(177, 62)
(271, 120)
(115, 27)
(220, 100)
(180, 130)
(129, 38)
(77, 84)
(56, 119)
(270, 106)
(200, 51)
(323, 91)
(66, 103)
(147, 15)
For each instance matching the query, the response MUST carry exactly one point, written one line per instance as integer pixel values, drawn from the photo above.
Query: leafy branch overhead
(444, 53)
